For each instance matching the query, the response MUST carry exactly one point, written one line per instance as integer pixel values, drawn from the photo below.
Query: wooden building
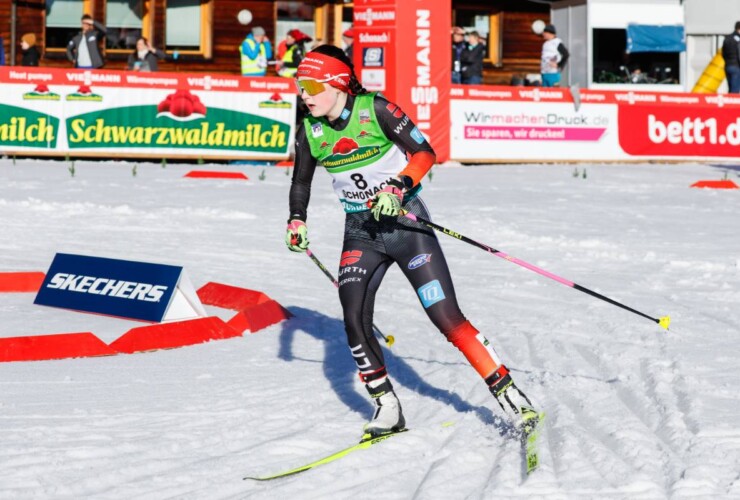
(204, 35)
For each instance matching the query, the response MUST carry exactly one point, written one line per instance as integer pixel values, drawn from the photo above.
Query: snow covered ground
(633, 411)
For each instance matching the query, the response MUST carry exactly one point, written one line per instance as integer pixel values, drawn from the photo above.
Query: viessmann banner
(521, 123)
(161, 114)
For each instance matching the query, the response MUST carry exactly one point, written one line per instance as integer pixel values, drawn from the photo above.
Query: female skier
(377, 159)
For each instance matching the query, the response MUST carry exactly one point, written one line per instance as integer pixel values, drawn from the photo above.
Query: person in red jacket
(377, 158)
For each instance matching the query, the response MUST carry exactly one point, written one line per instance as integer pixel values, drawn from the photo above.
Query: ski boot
(388, 416)
(515, 404)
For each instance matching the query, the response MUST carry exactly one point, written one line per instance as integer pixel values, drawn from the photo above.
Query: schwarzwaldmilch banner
(115, 113)
(159, 114)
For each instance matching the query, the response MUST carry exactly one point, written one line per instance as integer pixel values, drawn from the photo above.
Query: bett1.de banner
(538, 124)
(123, 113)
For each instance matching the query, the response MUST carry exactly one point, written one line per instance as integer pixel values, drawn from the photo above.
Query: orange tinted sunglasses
(312, 87)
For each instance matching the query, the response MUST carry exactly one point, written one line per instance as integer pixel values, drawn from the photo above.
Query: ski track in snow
(632, 411)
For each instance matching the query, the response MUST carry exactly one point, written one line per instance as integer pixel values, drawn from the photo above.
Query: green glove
(296, 236)
(388, 201)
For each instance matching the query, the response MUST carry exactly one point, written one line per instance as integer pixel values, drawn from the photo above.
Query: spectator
(517, 81)
(554, 57)
(29, 50)
(83, 49)
(348, 38)
(294, 54)
(255, 51)
(472, 60)
(458, 46)
(731, 55)
(144, 57)
(282, 48)
(2, 52)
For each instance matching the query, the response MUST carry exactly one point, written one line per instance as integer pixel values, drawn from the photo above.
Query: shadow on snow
(341, 372)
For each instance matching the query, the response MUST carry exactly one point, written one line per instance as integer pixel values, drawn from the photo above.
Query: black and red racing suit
(371, 247)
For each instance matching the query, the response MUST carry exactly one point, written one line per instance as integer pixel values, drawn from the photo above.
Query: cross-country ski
(365, 442)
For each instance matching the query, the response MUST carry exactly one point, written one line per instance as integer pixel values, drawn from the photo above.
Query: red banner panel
(679, 131)
(402, 49)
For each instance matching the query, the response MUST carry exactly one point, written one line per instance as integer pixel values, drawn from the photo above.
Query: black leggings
(370, 248)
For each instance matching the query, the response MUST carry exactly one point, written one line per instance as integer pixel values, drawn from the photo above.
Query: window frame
(494, 49)
(617, 73)
(318, 19)
(339, 18)
(88, 6)
(320, 16)
(146, 25)
(206, 33)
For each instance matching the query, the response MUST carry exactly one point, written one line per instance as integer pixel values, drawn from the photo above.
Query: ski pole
(389, 339)
(664, 321)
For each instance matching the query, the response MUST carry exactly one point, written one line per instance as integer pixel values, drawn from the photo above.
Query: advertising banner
(120, 114)
(157, 114)
(127, 289)
(402, 49)
(425, 80)
(680, 131)
(536, 124)
(375, 56)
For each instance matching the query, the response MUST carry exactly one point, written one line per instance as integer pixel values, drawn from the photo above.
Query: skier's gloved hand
(388, 201)
(296, 236)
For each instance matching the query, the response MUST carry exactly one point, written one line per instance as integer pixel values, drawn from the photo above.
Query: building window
(612, 63)
(347, 16)
(295, 15)
(124, 21)
(188, 26)
(63, 21)
(488, 27)
(343, 17)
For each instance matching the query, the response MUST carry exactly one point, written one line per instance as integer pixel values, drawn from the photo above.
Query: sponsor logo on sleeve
(416, 135)
(399, 128)
(395, 110)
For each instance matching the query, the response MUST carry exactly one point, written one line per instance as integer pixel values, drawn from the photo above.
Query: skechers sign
(136, 290)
